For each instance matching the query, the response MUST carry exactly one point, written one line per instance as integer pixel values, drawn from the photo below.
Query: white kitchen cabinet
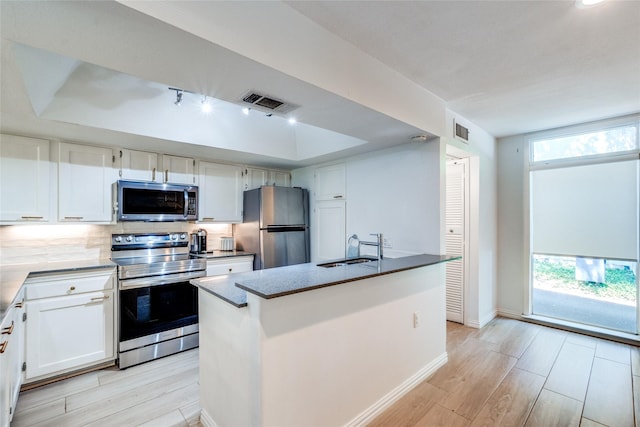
(139, 166)
(256, 178)
(11, 359)
(280, 178)
(329, 230)
(85, 176)
(24, 179)
(178, 170)
(228, 265)
(331, 182)
(220, 193)
(70, 322)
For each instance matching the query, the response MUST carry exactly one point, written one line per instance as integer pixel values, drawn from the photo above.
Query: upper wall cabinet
(139, 166)
(256, 178)
(24, 179)
(220, 192)
(85, 176)
(178, 170)
(330, 182)
(280, 178)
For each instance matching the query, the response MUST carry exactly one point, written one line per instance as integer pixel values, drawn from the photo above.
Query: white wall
(512, 239)
(398, 192)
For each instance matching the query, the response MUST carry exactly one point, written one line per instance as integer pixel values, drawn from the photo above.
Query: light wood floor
(160, 393)
(510, 373)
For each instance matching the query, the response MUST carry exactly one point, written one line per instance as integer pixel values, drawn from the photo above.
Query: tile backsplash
(23, 244)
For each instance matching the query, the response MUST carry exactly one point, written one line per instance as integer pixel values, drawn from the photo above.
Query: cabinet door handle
(3, 346)
(230, 270)
(166, 175)
(106, 297)
(8, 330)
(72, 288)
(31, 217)
(153, 174)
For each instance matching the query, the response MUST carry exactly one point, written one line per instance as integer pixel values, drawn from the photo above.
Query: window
(584, 225)
(607, 141)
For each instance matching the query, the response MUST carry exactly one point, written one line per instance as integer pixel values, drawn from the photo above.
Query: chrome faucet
(379, 243)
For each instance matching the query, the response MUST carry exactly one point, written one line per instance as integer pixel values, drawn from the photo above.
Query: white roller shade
(589, 210)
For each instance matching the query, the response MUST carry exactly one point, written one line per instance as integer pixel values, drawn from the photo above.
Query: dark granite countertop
(281, 281)
(13, 276)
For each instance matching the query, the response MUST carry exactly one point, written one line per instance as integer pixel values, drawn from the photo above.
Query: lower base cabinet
(70, 323)
(238, 264)
(11, 357)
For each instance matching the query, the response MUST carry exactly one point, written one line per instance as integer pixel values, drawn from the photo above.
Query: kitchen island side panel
(331, 356)
(226, 356)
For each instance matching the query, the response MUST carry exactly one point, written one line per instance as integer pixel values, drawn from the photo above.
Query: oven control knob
(183, 236)
(118, 239)
(174, 237)
(129, 238)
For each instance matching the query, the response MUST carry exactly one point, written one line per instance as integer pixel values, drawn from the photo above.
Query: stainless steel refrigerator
(275, 226)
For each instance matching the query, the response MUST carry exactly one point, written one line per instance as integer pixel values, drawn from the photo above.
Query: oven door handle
(160, 280)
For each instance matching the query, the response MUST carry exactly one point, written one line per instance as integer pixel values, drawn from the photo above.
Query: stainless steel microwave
(152, 201)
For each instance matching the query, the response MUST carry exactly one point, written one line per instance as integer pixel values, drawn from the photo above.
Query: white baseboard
(478, 324)
(488, 318)
(394, 395)
(206, 420)
(509, 313)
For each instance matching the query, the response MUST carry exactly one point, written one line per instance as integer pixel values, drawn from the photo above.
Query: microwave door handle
(186, 203)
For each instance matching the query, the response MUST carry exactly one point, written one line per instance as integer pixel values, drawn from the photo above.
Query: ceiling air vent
(461, 132)
(267, 103)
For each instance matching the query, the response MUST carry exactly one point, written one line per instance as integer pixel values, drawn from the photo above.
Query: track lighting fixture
(178, 95)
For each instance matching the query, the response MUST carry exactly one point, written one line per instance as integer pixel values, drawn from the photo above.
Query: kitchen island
(309, 345)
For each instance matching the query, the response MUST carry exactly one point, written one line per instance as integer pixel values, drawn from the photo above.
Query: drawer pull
(73, 218)
(106, 297)
(8, 330)
(337, 197)
(230, 270)
(208, 219)
(31, 217)
(19, 304)
(3, 346)
(72, 288)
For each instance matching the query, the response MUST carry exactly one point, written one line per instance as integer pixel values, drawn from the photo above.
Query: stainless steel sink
(347, 261)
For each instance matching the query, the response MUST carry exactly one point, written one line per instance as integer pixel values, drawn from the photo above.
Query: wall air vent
(461, 132)
(267, 103)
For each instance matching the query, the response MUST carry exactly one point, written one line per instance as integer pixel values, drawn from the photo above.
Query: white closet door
(454, 240)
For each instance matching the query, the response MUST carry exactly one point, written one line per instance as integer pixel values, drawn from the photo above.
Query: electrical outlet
(386, 243)
(416, 319)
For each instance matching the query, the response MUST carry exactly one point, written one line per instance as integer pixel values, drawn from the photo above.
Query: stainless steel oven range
(158, 307)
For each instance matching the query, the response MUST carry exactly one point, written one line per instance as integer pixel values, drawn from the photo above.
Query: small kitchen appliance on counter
(199, 241)
(227, 244)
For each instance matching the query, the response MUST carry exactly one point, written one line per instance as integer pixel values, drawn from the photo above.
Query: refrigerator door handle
(285, 228)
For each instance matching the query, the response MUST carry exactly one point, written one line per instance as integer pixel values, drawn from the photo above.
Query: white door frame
(465, 241)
